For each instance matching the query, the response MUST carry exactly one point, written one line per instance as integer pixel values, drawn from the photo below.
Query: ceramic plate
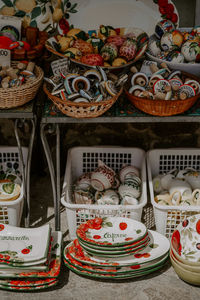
(111, 231)
(54, 266)
(114, 270)
(28, 288)
(109, 276)
(26, 283)
(143, 14)
(119, 248)
(114, 254)
(24, 244)
(158, 246)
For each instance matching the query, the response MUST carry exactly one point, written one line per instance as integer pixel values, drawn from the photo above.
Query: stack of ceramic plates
(185, 250)
(30, 259)
(116, 248)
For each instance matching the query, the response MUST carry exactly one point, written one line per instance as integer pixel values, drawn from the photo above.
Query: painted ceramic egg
(92, 59)
(117, 40)
(109, 52)
(128, 49)
(191, 51)
(162, 27)
(175, 57)
(117, 62)
(83, 46)
(154, 46)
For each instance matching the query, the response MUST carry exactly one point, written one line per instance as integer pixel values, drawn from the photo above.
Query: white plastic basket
(85, 159)
(11, 211)
(160, 161)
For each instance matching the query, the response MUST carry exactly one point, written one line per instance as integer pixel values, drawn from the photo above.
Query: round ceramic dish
(117, 271)
(157, 248)
(112, 231)
(195, 269)
(184, 274)
(186, 67)
(27, 283)
(116, 249)
(28, 288)
(109, 276)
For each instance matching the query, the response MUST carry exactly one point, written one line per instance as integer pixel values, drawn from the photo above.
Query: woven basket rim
(82, 104)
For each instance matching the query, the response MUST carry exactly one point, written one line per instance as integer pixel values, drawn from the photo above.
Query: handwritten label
(4, 57)
(60, 66)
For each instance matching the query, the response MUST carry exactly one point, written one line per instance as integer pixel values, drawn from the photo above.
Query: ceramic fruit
(109, 52)
(128, 49)
(191, 51)
(117, 62)
(83, 46)
(117, 40)
(73, 53)
(92, 59)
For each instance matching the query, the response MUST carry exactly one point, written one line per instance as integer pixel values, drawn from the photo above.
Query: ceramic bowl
(194, 269)
(190, 277)
(186, 67)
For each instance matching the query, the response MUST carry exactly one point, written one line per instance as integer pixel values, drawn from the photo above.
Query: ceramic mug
(84, 181)
(182, 186)
(128, 190)
(128, 169)
(103, 178)
(83, 197)
(107, 197)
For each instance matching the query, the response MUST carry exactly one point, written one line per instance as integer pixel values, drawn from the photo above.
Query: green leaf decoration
(73, 11)
(11, 177)
(191, 252)
(30, 247)
(66, 1)
(8, 188)
(138, 231)
(36, 12)
(153, 246)
(8, 3)
(56, 246)
(108, 224)
(33, 23)
(190, 235)
(62, 7)
(2, 176)
(20, 14)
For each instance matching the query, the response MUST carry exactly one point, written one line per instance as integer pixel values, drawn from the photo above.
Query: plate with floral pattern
(158, 246)
(24, 244)
(114, 270)
(26, 283)
(111, 276)
(54, 265)
(28, 288)
(111, 231)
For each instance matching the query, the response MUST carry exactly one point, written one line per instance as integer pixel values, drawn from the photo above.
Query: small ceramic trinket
(92, 74)
(118, 62)
(136, 90)
(81, 99)
(73, 53)
(93, 59)
(146, 95)
(109, 52)
(191, 50)
(174, 74)
(175, 56)
(139, 79)
(80, 83)
(160, 85)
(175, 82)
(194, 84)
(83, 46)
(153, 79)
(162, 27)
(186, 91)
(110, 88)
(117, 40)
(154, 46)
(68, 83)
(128, 49)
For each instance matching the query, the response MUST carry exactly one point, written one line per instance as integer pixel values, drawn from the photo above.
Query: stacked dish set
(30, 259)
(185, 250)
(116, 248)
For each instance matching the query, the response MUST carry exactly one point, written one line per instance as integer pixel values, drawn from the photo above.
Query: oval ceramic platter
(142, 14)
(111, 276)
(115, 270)
(53, 267)
(158, 246)
(111, 231)
(24, 244)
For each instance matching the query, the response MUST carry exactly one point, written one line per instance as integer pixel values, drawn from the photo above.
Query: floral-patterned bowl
(195, 269)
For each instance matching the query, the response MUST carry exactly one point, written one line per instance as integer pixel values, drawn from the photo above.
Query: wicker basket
(17, 96)
(81, 110)
(164, 107)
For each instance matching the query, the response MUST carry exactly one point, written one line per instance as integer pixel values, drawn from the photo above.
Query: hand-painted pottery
(186, 91)
(139, 78)
(83, 46)
(107, 197)
(136, 90)
(28, 288)
(175, 56)
(191, 51)
(162, 27)
(92, 59)
(195, 84)
(109, 52)
(128, 49)
(160, 86)
(154, 46)
(117, 40)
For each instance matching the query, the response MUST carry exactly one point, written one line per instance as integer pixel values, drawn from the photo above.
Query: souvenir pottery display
(179, 49)
(106, 47)
(184, 249)
(160, 91)
(30, 258)
(115, 248)
(177, 188)
(104, 187)
(80, 92)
